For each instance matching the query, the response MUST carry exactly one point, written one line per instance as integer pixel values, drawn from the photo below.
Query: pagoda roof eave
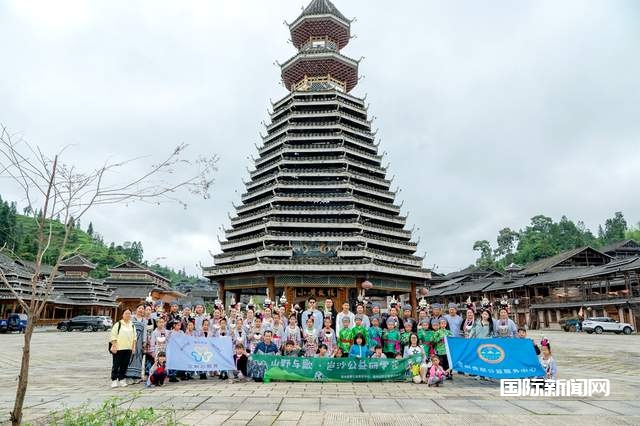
(317, 56)
(218, 273)
(325, 16)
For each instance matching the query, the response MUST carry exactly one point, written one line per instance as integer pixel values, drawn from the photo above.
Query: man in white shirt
(344, 313)
(314, 313)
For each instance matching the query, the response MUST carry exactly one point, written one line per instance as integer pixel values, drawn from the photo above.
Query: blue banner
(189, 353)
(502, 358)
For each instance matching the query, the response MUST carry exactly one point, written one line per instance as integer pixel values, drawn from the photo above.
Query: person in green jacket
(391, 339)
(374, 334)
(424, 336)
(406, 334)
(440, 331)
(345, 337)
(359, 328)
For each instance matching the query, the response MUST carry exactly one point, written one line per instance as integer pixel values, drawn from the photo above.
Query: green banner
(282, 368)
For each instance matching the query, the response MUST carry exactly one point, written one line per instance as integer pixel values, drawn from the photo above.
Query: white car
(602, 324)
(108, 323)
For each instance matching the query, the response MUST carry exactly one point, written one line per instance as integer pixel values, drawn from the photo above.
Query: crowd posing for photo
(139, 340)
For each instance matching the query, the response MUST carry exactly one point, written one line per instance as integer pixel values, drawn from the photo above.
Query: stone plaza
(69, 369)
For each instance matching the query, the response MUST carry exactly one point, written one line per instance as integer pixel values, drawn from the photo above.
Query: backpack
(118, 332)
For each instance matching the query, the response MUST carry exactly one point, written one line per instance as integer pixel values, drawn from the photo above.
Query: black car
(82, 322)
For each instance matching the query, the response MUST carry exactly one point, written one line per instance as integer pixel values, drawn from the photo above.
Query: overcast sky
(491, 111)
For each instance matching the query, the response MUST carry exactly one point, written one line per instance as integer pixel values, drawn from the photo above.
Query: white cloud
(491, 112)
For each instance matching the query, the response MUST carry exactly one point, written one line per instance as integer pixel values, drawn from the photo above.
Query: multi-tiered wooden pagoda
(318, 216)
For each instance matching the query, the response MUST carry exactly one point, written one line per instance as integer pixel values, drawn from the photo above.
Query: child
(522, 334)
(345, 337)
(327, 336)
(240, 359)
(359, 328)
(547, 361)
(436, 372)
(158, 372)
(293, 333)
(278, 329)
(377, 352)
(159, 338)
(391, 339)
(424, 336)
(440, 331)
(359, 348)
(289, 349)
(323, 352)
(406, 334)
(175, 330)
(310, 336)
(238, 334)
(254, 336)
(337, 353)
(374, 334)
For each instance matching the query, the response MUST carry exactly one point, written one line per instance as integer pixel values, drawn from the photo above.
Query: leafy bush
(111, 413)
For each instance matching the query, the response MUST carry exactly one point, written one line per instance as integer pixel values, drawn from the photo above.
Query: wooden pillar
(221, 293)
(413, 300)
(271, 286)
(632, 319)
(621, 314)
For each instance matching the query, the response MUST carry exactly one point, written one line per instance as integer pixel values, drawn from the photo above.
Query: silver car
(599, 325)
(108, 323)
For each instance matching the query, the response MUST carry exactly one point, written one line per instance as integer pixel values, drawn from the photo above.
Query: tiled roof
(322, 7)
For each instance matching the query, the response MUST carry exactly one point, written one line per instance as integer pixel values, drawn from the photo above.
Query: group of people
(139, 340)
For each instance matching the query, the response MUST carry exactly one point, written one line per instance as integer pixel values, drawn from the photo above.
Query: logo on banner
(491, 353)
(201, 353)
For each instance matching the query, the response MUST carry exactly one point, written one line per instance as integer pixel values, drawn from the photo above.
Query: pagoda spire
(319, 33)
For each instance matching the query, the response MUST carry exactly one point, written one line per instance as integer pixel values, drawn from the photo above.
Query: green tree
(486, 259)
(614, 229)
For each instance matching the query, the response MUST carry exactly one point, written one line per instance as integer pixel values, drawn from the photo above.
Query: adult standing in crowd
(345, 313)
(366, 323)
(134, 370)
(504, 326)
(123, 341)
(454, 320)
(407, 318)
(330, 310)
(436, 311)
(314, 313)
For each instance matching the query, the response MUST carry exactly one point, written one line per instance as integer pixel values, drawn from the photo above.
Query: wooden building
(74, 292)
(319, 216)
(133, 283)
(546, 291)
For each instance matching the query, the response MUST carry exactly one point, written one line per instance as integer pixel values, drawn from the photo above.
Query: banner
(189, 353)
(272, 367)
(497, 358)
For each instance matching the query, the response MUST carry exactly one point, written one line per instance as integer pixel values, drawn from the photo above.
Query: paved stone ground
(69, 369)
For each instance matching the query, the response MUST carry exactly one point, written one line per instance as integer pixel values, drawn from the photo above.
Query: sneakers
(123, 383)
(114, 384)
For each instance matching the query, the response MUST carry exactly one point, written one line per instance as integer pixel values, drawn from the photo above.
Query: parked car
(569, 323)
(108, 322)
(14, 322)
(599, 325)
(82, 322)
